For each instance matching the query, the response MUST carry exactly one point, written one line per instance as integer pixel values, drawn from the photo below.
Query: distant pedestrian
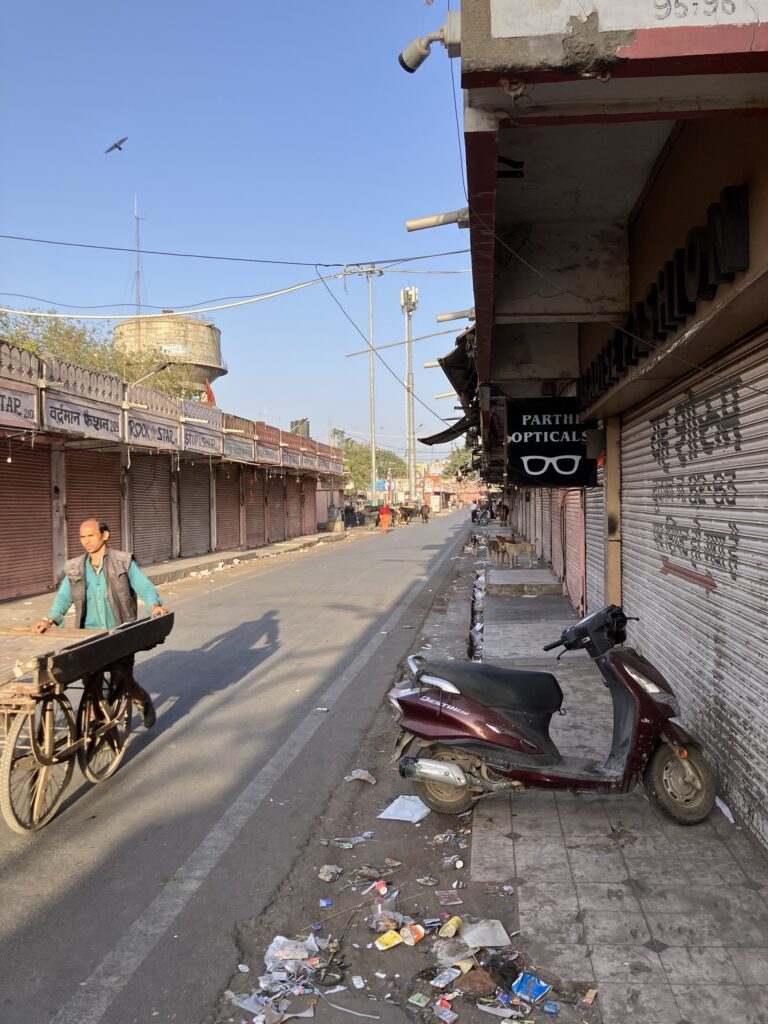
(385, 517)
(103, 585)
(503, 513)
(424, 513)
(473, 510)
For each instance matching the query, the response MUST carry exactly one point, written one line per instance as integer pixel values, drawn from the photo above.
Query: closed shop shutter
(558, 532)
(538, 527)
(195, 508)
(292, 507)
(695, 561)
(546, 524)
(26, 530)
(595, 531)
(309, 506)
(574, 547)
(149, 480)
(227, 506)
(255, 514)
(93, 492)
(276, 503)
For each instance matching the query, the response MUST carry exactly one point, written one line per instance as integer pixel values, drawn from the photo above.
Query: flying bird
(117, 145)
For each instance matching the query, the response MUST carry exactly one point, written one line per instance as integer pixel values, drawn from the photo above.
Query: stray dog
(513, 550)
(495, 553)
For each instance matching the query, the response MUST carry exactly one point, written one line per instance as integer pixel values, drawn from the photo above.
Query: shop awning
(455, 430)
(456, 367)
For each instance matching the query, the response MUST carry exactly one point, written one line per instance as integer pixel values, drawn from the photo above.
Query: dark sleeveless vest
(122, 599)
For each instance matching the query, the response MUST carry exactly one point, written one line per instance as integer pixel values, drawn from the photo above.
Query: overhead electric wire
(384, 363)
(230, 259)
(169, 316)
(178, 306)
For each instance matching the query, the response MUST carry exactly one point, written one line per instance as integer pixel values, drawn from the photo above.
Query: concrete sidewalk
(26, 610)
(669, 923)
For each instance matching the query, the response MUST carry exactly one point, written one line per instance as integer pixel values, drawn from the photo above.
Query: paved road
(123, 909)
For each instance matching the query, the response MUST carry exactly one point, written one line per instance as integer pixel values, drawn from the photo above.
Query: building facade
(614, 381)
(172, 478)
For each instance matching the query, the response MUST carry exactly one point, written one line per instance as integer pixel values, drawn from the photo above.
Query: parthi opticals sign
(547, 444)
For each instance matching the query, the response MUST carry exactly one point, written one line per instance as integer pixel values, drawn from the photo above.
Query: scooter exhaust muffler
(422, 769)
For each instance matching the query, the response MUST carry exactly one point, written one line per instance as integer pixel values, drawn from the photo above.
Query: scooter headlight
(654, 690)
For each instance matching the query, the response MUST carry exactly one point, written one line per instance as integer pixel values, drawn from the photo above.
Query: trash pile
(421, 950)
(478, 605)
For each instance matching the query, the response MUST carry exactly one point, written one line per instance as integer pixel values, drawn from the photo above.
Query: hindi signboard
(239, 449)
(291, 458)
(66, 414)
(267, 453)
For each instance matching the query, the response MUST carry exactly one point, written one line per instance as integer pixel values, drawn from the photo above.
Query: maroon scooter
(478, 729)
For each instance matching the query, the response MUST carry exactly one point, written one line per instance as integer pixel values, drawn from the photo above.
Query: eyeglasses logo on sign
(547, 444)
(535, 465)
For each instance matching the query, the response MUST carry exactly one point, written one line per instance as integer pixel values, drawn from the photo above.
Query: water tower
(191, 341)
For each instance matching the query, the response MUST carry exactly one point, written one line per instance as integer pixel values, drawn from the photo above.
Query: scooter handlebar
(552, 646)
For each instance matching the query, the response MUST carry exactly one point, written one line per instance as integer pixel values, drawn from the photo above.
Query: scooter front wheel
(683, 788)
(437, 795)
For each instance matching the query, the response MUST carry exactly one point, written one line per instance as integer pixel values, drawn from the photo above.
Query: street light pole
(409, 300)
(371, 271)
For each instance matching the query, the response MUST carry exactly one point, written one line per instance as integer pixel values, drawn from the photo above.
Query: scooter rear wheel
(439, 797)
(686, 801)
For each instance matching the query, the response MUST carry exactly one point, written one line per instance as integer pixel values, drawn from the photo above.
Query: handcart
(41, 737)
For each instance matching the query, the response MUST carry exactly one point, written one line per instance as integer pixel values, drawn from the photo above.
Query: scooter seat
(538, 693)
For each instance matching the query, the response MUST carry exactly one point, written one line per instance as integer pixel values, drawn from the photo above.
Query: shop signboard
(291, 458)
(18, 404)
(267, 453)
(308, 461)
(203, 439)
(239, 449)
(324, 465)
(511, 18)
(144, 430)
(547, 444)
(337, 467)
(66, 414)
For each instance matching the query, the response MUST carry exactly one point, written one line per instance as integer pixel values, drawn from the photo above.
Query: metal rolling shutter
(574, 547)
(93, 492)
(227, 507)
(195, 508)
(276, 502)
(695, 561)
(595, 530)
(255, 516)
(26, 531)
(151, 511)
(546, 524)
(538, 496)
(292, 507)
(558, 528)
(309, 507)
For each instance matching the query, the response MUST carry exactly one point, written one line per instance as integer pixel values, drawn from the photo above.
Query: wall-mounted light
(436, 220)
(462, 314)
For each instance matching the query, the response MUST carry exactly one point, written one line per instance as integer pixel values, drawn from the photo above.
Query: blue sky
(281, 131)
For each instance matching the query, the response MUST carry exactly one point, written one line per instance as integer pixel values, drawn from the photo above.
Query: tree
(457, 465)
(357, 457)
(84, 345)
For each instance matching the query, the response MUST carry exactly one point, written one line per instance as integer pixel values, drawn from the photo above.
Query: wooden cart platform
(40, 736)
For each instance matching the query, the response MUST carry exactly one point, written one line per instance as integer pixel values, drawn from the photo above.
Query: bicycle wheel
(102, 704)
(30, 793)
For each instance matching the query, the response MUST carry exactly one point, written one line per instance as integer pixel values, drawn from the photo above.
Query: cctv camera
(413, 56)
